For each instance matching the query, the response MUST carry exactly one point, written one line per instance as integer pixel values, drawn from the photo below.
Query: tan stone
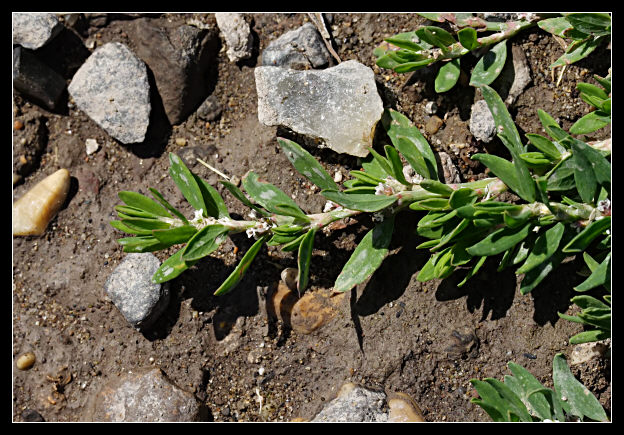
(403, 409)
(36, 208)
(306, 314)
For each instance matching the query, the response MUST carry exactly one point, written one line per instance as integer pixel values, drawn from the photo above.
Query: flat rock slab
(339, 106)
(302, 48)
(36, 80)
(131, 289)
(112, 88)
(237, 35)
(355, 404)
(35, 29)
(143, 396)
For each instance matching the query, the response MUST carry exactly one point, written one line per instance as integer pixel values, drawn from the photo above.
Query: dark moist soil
(392, 332)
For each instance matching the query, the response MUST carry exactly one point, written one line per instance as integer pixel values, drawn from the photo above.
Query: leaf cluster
(600, 100)
(521, 397)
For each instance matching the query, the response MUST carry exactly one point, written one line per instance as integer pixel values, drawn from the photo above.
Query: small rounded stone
(18, 125)
(25, 361)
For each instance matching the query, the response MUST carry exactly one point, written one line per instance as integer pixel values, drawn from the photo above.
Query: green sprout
(427, 45)
(521, 397)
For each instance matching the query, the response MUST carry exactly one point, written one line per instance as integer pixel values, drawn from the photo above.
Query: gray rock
(237, 34)
(451, 174)
(132, 291)
(210, 109)
(143, 396)
(355, 404)
(521, 75)
(302, 48)
(36, 80)
(482, 125)
(180, 58)
(339, 106)
(112, 88)
(35, 29)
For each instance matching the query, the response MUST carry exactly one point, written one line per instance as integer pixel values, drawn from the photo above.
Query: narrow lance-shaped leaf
(142, 202)
(204, 242)
(591, 122)
(490, 65)
(502, 118)
(238, 273)
(367, 256)
(447, 75)
(186, 182)
(171, 268)
(238, 194)
(303, 260)
(270, 197)
(578, 52)
(307, 165)
(175, 235)
(166, 204)
(581, 402)
(215, 206)
(529, 384)
(395, 162)
(545, 246)
(598, 276)
(500, 240)
(585, 237)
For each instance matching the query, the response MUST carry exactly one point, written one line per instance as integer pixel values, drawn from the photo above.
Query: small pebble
(431, 108)
(180, 141)
(433, 125)
(25, 361)
(18, 125)
(338, 177)
(92, 146)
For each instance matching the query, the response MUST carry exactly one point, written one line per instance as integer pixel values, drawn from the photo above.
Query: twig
(319, 22)
(213, 169)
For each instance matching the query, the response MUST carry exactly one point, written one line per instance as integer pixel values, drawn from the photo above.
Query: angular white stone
(237, 35)
(35, 209)
(339, 105)
(112, 88)
(35, 29)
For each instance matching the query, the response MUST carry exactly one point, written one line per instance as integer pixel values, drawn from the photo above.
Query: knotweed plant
(564, 210)
(428, 45)
(521, 397)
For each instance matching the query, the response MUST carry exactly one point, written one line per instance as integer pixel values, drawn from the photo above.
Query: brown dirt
(392, 332)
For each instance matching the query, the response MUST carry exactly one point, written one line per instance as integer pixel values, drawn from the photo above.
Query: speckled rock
(131, 289)
(237, 34)
(355, 404)
(302, 48)
(36, 208)
(338, 106)
(35, 29)
(482, 125)
(143, 396)
(112, 88)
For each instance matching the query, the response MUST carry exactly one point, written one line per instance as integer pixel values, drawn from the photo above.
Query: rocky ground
(228, 358)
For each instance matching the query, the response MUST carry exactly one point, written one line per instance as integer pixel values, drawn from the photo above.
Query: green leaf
(526, 184)
(500, 240)
(545, 246)
(412, 66)
(361, 202)
(593, 90)
(294, 244)
(186, 182)
(557, 26)
(585, 237)
(502, 118)
(270, 197)
(290, 210)
(407, 40)
(145, 224)
(551, 126)
(447, 75)
(529, 385)
(175, 235)
(431, 204)
(126, 229)
(166, 204)
(365, 177)
(238, 194)
(215, 206)
(604, 82)
(544, 145)
(303, 260)
(435, 186)
(204, 242)
(503, 169)
(141, 243)
(581, 402)
(489, 67)
(468, 38)
(397, 166)
(500, 402)
(238, 273)
(461, 197)
(410, 142)
(171, 268)
(594, 23)
(436, 36)
(562, 178)
(578, 52)
(307, 165)
(142, 202)
(598, 277)
(366, 257)
(589, 336)
(591, 122)
(133, 212)
(426, 272)
(536, 275)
